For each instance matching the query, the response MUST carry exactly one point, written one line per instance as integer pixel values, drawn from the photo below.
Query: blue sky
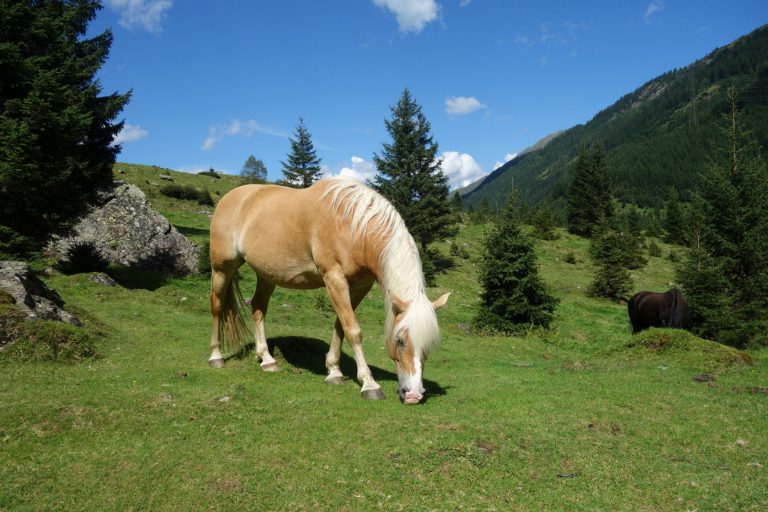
(215, 82)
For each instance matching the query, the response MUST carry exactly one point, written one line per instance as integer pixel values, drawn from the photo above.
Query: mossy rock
(6, 298)
(42, 340)
(690, 348)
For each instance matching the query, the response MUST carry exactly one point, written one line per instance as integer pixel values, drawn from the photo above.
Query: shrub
(204, 258)
(83, 257)
(654, 249)
(322, 302)
(570, 258)
(190, 192)
(459, 251)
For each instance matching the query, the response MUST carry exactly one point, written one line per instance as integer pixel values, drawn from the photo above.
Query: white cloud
(130, 133)
(652, 9)
(464, 3)
(359, 169)
(461, 169)
(507, 158)
(236, 127)
(460, 105)
(411, 15)
(145, 14)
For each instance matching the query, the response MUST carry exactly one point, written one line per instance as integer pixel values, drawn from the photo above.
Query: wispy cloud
(143, 14)
(462, 105)
(461, 169)
(652, 9)
(411, 15)
(464, 3)
(237, 127)
(567, 34)
(130, 133)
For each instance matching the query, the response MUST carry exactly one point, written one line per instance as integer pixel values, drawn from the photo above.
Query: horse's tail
(674, 305)
(234, 333)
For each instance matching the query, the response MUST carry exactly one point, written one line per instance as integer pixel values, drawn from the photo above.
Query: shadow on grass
(134, 279)
(187, 231)
(309, 354)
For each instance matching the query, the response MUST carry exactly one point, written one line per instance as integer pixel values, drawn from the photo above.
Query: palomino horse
(338, 234)
(650, 309)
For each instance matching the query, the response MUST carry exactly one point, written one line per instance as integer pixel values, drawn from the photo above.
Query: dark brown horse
(650, 309)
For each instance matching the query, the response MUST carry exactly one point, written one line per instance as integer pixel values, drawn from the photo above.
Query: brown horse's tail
(234, 333)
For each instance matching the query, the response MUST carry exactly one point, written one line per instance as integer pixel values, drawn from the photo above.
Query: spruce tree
(253, 171)
(303, 166)
(674, 222)
(410, 177)
(514, 296)
(725, 276)
(56, 129)
(589, 195)
(609, 255)
(544, 224)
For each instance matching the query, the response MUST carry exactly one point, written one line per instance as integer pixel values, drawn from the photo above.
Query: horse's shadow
(309, 354)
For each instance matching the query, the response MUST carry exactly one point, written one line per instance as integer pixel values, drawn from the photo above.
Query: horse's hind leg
(259, 305)
(334, 352)
(220, 281)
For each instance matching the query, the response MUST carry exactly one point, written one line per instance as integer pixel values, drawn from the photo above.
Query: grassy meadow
(581, 417)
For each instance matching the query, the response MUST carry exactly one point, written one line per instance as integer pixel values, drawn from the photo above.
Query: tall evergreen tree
(514, 296)
(589, 195)
(410, 177)
(725, 276)
(303, 166)
(674, 221)
(609, 255)
(56, 130)
(253, 171)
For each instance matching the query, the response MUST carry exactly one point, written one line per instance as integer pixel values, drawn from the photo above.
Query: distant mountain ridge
(655, 137)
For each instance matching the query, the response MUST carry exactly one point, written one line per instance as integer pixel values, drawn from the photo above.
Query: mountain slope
(655, 137)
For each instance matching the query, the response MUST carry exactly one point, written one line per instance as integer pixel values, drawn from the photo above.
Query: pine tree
(674, 222)
(609, 254)
(514, 296)
(303, 166)
(589, 195)
(725, 276)
(56, 130)
(544, 224)
(410, 177)
(253, 171)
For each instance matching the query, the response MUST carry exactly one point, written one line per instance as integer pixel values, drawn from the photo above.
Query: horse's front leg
(339, 292)
(333, 357)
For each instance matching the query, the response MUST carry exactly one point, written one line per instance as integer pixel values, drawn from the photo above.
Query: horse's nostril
(402, 392)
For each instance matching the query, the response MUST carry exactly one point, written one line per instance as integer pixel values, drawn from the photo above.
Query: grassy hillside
(655, 137)
(582, 417)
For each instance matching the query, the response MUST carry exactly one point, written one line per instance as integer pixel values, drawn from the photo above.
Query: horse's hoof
(216, 363)
(372, 394)
(270, 367)
(335, 380)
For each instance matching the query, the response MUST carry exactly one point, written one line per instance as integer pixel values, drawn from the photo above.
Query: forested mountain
(655, 137)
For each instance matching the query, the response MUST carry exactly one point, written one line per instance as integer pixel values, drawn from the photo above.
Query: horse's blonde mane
(370, 214)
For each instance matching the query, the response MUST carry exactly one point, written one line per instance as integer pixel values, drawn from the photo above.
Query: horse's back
(287, 235)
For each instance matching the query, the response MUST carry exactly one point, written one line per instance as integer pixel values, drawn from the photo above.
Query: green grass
(582, 417)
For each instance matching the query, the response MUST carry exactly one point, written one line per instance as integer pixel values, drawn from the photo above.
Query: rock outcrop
(125, 228)
(31, 295)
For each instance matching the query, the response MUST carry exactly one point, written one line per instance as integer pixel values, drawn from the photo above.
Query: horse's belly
(290, 276)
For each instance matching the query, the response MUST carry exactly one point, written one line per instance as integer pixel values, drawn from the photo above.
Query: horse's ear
(440, 302)
(398, 304)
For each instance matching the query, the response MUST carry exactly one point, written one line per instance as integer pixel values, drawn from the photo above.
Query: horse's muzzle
(409, 397)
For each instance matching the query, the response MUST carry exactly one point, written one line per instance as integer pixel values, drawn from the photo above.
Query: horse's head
(414, 331)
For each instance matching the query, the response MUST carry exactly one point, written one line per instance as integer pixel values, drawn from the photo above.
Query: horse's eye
(399, 340)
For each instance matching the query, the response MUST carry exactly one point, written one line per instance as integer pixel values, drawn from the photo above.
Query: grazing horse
(650, 309)
(338, 234)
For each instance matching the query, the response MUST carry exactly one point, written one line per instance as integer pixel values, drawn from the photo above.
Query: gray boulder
(125, 228)
(31, 295)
